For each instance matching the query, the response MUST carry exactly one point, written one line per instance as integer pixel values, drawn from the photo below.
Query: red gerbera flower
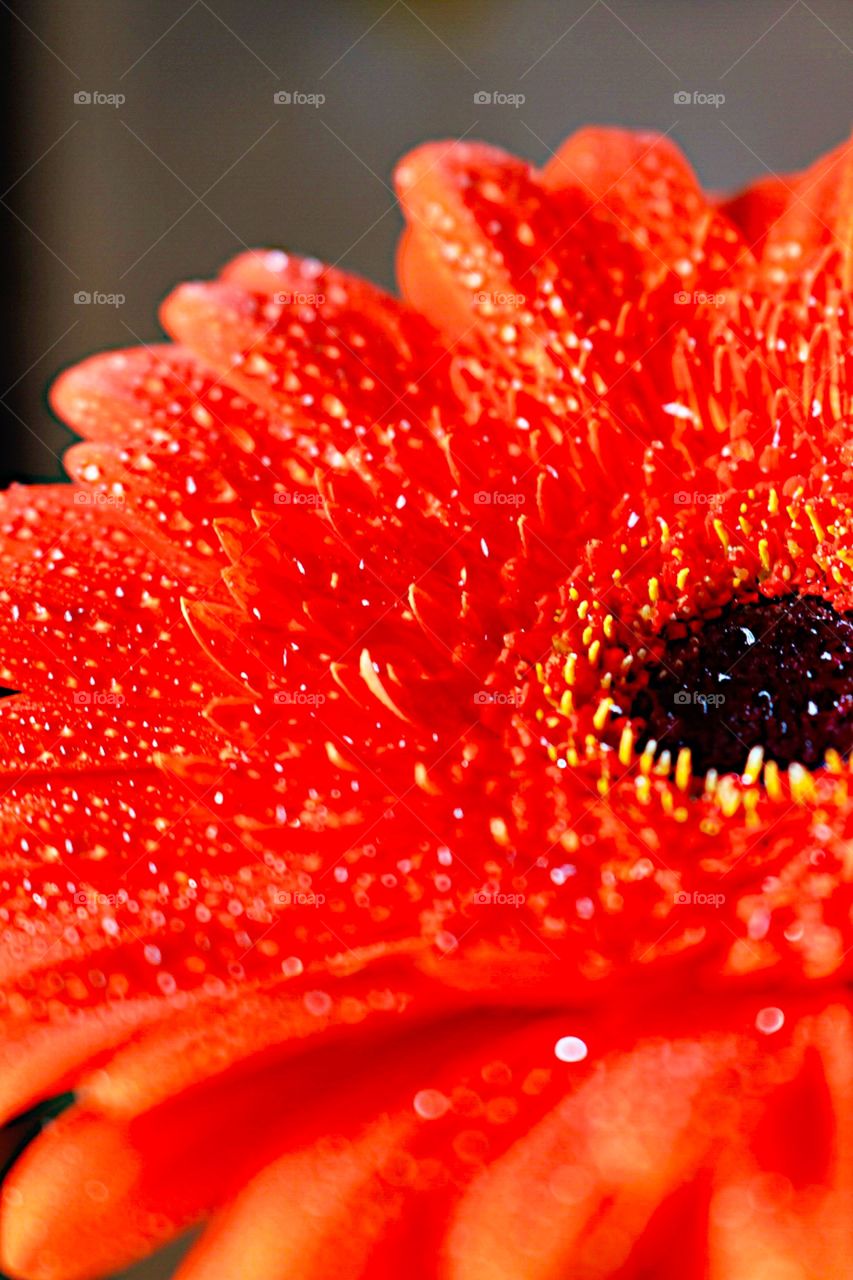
(426, 806)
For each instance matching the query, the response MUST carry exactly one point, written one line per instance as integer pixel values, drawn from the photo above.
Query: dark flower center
(771, 673)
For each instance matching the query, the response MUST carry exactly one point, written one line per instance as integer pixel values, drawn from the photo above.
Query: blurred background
(149, 140)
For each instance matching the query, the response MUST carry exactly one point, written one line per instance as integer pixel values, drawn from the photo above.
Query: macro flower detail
(426, 792)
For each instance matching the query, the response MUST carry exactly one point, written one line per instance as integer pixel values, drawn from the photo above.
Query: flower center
(775, 674)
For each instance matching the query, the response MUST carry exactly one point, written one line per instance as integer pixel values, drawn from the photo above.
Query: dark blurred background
(198, 161)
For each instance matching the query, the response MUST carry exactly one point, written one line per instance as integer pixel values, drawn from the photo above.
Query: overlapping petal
(339, 881)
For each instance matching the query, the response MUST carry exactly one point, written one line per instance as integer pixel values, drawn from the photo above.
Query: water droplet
(318, 1003)
(570, 1049)
(430, 1104)
(769, 1020)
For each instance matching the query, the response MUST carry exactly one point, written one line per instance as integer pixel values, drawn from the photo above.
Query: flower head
(426, 799)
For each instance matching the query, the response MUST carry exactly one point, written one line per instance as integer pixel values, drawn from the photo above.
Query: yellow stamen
(820, 533)
(754, 761)
(602, 713)
(498, 828)
(720, 530)
(772, 781)
(683, 769)
(801, 783)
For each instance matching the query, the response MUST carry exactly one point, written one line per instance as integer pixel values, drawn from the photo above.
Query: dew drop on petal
(570, 1049)
(769, 1020)
(318, 1002)
(430, 1104)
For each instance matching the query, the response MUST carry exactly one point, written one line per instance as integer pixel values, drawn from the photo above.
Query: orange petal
(817, 220)
(644, 184)
(318, 1214)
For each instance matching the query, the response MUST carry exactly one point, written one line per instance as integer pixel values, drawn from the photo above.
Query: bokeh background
(198, 161)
